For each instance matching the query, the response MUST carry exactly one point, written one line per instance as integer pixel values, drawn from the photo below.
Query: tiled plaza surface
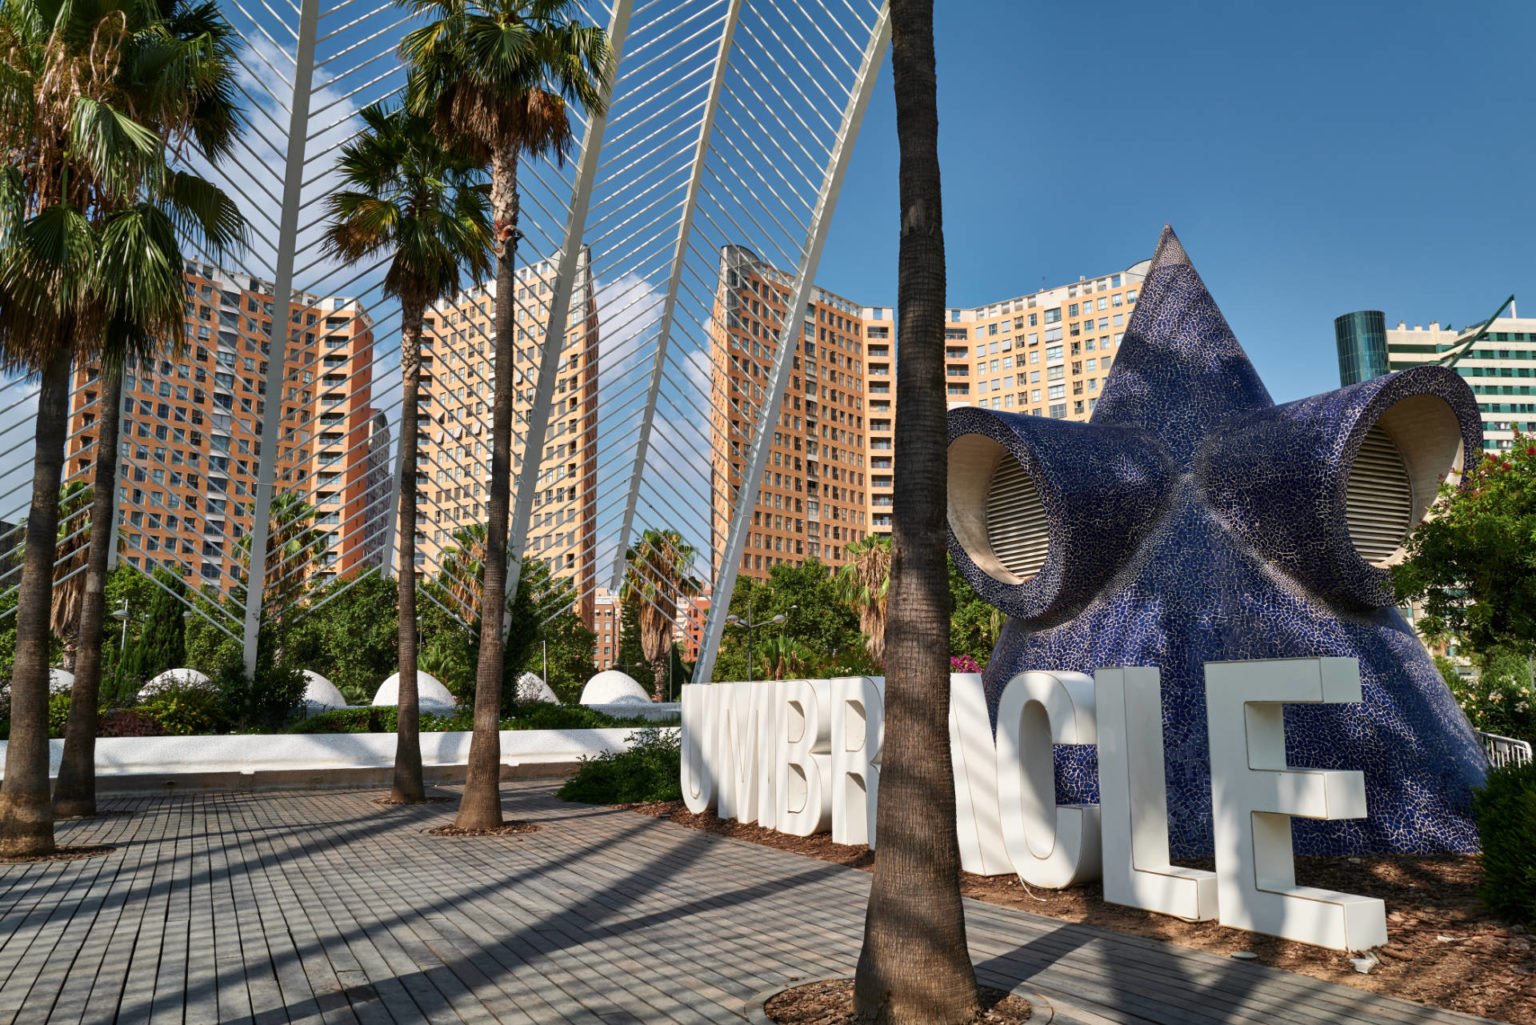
(319, 906)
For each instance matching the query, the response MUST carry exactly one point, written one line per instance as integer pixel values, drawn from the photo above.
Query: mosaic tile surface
(1193, 520)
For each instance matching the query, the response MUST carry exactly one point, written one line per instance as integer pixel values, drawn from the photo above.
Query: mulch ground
(1443, 948)
(63, 853)
(508, 829)
(390, 802)
(831, 1003)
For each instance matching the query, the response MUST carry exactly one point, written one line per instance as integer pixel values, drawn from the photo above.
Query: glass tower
(1362, 342)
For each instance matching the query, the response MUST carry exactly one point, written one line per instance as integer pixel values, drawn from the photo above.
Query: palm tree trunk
(408, 787)
(480, 807)
(914, 967)
(659, 671)
(26, 815)
(75, 792)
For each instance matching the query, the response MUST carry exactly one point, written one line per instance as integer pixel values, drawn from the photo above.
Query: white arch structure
(730, 124)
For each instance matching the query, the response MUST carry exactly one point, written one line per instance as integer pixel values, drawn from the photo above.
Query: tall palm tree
(97, 100)
(865, 583)
(495, 76)
(914, 966)
(659, 574)
(403, 194)
(68, 562)
(294, 544)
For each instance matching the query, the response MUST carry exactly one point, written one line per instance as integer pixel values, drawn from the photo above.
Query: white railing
(1502, 751)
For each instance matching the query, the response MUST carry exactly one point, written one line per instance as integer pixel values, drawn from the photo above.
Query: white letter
(805, 805)
(858, 727)
(700, 736)
(1253, 795)
(1050, 845)
(973, 755)
(770, 716)
(741, 738)
(1133, 801)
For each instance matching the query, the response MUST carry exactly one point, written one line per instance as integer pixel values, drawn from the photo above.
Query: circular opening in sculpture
(995, 510)
(1396, 474)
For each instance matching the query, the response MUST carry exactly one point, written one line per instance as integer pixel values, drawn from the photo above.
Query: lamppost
(750, 625)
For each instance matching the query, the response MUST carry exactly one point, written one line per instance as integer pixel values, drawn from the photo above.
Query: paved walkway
(320, 907)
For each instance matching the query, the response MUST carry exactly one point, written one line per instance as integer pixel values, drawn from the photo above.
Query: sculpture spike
(1179, 371)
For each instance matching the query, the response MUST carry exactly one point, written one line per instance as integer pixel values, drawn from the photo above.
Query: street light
(122, 616)
(750, 625)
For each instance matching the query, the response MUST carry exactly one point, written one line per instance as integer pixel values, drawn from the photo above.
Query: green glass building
(1362, 340)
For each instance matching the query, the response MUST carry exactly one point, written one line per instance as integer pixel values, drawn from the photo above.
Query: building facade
(828, 479)
(191, 433)
(1500, 366)
(454, 425)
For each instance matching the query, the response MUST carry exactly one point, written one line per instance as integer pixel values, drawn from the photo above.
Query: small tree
(162, 643)
(1473, 564)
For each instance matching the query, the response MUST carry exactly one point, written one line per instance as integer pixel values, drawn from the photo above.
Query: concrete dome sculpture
(613, 687)
(320, 694)
(531, 689)
(174, 678)
(1193, 520)
(60, 681)
(431, 695)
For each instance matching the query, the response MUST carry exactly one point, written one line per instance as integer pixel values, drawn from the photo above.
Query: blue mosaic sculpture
(1193, 520)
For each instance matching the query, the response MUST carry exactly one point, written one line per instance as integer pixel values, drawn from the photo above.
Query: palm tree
(68, 561)
(403, 194)
(785, 658)
(914, 966)
(495, 76)
(659, 568)
(294, 544)
(96, 101)
(865, 583)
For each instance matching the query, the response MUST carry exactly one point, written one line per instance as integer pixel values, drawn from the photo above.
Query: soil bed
(509, 829)
(831, 1003)
(1443, 947)
(389, 802)
(63, 852)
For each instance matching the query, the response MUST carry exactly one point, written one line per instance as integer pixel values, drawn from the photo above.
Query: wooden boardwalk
(319, 907)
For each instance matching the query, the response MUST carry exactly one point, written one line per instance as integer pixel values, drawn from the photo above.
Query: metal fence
(1503, 751)
(268, 450)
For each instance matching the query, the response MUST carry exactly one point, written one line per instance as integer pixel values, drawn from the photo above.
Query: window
(1053, 316)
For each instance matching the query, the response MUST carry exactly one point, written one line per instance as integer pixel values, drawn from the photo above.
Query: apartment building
(454, 425)
(828, 480)
(192, 423)
(1499, 365)
(814, 495)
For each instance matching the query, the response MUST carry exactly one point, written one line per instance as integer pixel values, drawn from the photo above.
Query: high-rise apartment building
(454, 424)
(828, 479)
(192, 423)
(1500, 365)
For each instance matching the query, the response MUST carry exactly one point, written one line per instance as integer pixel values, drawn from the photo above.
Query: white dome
(612, 687)
(320, 693)
(173, 678)
(530, 688)
(60, 681)
(431, 695)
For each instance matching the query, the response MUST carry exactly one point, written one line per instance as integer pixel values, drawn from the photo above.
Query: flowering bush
(963, 664)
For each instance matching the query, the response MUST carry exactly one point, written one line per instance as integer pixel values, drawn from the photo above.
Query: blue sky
(1315, 158)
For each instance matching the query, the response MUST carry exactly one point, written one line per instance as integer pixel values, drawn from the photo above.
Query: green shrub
(58, 715)
(264, 702)
(650, 770)
(1506, 818)
(183, 711)
(348, 720)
